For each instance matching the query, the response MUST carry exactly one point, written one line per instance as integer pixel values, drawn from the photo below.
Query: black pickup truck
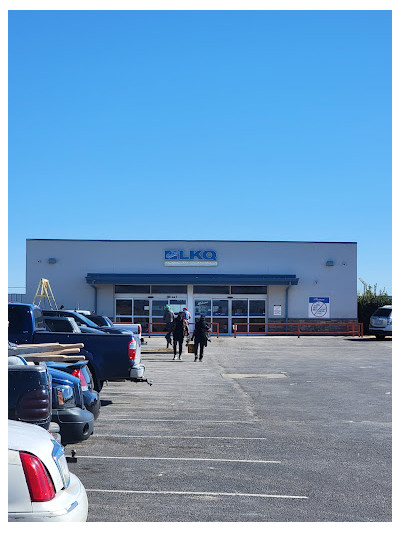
(111, 356)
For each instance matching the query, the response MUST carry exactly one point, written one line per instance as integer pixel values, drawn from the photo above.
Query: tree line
(369, 301)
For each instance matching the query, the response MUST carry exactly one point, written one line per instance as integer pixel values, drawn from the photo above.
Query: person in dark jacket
(200, 336)
(168, 318)
(179, 331)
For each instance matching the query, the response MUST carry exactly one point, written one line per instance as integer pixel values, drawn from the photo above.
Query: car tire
(97, 383)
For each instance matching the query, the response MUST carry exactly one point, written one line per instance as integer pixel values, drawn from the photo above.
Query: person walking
(188, 316)
(179, 331)
(200, 336)
(168, 318)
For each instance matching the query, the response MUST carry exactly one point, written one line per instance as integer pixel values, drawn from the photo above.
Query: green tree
(368, 302)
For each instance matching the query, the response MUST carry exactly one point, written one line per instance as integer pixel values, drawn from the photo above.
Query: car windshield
(83, 321)
(382, 312)
(59, 325)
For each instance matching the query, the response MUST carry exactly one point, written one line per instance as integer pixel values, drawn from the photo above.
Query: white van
(380, 323)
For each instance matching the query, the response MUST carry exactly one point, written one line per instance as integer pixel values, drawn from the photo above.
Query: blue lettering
(195, 254)
(182, 255)
(210, 254)
(171, 254)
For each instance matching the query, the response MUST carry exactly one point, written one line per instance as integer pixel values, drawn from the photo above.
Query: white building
(230, 281)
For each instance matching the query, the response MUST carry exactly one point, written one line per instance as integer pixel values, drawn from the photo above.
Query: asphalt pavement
(275, 429)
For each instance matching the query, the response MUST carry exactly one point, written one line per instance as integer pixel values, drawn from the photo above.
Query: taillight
(132, 350)
(40, 485)
(79, 374)
(140, 329)
(34, 405)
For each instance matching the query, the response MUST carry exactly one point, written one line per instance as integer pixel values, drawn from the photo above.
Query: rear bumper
(76, 424)
(69, 505)
(137, 372)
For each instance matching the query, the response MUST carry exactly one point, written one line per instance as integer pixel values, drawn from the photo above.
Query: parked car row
(46, 409)
(61, 393)
(112, 356)
(53, 403)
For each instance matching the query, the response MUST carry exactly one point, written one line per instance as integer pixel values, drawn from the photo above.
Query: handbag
(190, 347)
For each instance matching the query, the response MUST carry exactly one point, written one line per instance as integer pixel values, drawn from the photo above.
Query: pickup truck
(66, 324)
(111, 357)
(85, 321)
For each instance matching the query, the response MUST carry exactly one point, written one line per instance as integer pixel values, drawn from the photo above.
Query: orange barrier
(352, 328)
(151, 324)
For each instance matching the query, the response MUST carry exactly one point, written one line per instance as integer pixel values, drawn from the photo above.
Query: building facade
(232, 282)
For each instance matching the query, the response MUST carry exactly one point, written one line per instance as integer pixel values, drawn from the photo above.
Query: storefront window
(257, 307)
(211, 289)
(169, 289)
(223, 325)
(220, 308)
(159, 307)
(130, 289)
(239, 308)
(123, 307)
(177, 305)
(141, 307)
(248, 289)
(202, 307)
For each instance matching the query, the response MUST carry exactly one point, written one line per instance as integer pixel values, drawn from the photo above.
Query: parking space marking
(129, 407)
(175, 437)
(193, 493)
(116, 419)
(203, 459)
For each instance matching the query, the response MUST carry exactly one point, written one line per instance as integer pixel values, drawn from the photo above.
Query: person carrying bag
(200, 336)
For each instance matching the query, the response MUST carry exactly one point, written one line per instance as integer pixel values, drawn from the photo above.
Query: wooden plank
(54, 347)
(37, 357)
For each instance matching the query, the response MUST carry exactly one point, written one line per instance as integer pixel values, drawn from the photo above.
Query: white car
(40, 485)
(380, 323)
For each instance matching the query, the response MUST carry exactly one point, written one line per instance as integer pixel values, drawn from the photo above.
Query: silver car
(380, 323)
(40, 485)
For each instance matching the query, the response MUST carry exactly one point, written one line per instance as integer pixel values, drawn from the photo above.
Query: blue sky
(248, 125)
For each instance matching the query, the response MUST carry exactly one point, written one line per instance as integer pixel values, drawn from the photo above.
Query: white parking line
(175, 437)
(129, 407)
(116, 419)
(179, 459)
(192, 493)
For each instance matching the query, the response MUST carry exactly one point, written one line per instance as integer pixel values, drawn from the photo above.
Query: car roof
(63, 318)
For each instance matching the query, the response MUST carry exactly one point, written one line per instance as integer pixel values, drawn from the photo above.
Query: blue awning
(191, 279)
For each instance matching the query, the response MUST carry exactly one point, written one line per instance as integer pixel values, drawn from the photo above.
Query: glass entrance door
(248, 310)
(158, 308)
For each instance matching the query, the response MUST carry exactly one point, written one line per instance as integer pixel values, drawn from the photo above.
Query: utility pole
(365, 284)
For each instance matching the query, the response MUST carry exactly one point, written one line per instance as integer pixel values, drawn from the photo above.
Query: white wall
(76, 258)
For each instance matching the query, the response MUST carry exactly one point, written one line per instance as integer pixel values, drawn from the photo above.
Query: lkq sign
(190, 258)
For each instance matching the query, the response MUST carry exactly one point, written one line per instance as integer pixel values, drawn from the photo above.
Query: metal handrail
(352, 328)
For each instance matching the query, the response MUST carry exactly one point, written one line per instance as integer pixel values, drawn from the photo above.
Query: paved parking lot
(264, 429)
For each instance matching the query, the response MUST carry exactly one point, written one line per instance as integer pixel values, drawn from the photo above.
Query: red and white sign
(318, 307)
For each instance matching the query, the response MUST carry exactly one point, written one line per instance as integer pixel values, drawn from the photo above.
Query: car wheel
(97, 383)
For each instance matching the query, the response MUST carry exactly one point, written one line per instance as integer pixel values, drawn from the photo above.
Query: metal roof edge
(192, 240)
